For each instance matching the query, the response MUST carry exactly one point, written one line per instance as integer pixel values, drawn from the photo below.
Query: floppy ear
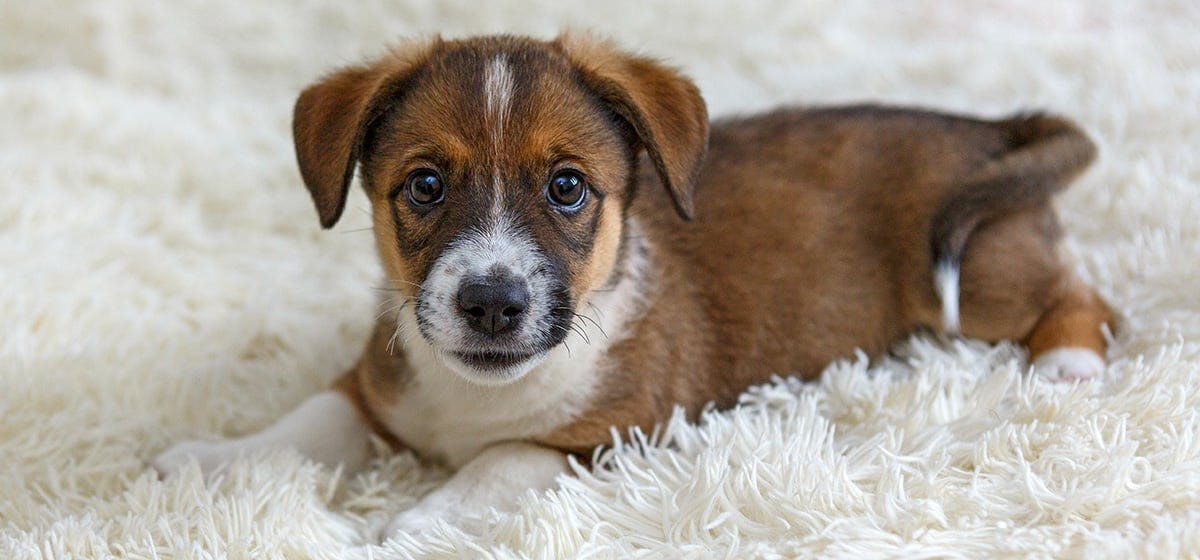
(664, 108)
(332, 116)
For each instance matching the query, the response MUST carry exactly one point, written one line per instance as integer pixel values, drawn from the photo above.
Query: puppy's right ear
(332, 116)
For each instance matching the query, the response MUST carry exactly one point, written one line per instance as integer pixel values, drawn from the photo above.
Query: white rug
(162, 276)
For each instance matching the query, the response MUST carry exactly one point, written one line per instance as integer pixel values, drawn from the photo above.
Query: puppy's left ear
(663, 106)
(332, 116)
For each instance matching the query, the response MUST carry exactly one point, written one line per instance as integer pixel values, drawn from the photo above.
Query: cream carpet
(162, 277)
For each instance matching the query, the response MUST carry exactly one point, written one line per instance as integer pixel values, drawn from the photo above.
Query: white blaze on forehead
(497, 93)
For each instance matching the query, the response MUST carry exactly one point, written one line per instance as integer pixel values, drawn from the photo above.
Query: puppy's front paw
(410, 523)
(1069, 364)
(417, 520)
(211, 456)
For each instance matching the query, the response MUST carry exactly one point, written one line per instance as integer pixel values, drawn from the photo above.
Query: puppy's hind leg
(1015, 287)
(996, 232)
(326, 428)
(1068, 343)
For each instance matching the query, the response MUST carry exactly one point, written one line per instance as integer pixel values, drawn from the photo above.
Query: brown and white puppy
(572, 248)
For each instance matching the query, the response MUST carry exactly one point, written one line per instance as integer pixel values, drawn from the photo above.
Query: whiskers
(393, 307)
(578, 326)
(356, 230)
(394, 304)
(394, 289)
(592, 321)
(564, 342)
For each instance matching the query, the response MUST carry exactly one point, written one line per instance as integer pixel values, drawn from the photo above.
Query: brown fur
(815, 230)
(813, 242)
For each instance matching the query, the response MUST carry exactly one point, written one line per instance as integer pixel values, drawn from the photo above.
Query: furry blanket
(162, 277)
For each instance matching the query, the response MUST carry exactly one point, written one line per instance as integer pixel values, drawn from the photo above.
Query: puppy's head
(499, 171)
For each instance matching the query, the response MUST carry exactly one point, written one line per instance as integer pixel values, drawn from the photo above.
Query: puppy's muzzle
(493, 304)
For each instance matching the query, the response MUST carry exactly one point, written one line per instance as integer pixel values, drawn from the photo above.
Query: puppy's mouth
(494, 361)
(493, 368)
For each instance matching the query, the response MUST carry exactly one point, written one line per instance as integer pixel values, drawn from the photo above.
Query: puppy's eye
(567, 190)
(424, 188)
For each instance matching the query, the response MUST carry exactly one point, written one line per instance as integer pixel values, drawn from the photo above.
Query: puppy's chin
(491, 370)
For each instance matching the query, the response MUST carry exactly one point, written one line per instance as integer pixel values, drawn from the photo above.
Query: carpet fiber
(162, 277)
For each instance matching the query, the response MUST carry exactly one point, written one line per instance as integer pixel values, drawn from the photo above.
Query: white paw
(211, 456)
(1069, 364)
(418, 520)
(407, 523)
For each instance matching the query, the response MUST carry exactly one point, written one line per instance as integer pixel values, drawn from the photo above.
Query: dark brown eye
(567, 190)
(424, 188)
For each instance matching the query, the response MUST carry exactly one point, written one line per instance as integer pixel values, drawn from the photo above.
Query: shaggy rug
(162, 277)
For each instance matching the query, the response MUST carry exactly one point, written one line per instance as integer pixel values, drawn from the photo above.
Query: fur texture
(163, 279)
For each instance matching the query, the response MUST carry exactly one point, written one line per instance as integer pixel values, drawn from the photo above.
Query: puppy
(570, 247)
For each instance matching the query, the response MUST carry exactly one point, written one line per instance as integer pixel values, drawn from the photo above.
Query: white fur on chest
(441, 415)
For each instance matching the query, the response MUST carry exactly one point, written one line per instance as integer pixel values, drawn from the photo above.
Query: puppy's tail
(1043, 154)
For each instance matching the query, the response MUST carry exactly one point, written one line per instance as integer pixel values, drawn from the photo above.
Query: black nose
(493, 304)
